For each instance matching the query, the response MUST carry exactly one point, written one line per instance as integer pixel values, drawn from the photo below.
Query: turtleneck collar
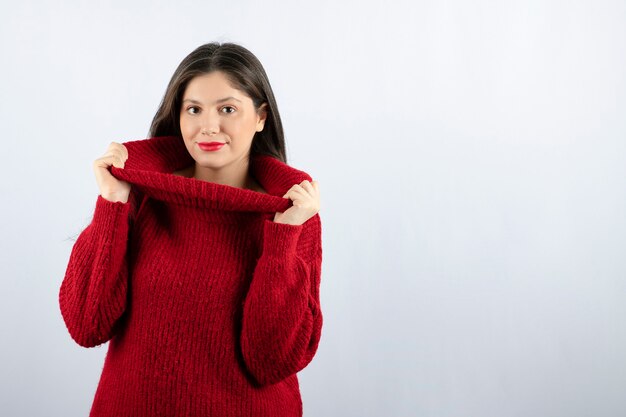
(151, 163)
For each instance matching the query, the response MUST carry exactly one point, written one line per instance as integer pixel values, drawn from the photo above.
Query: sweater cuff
(280, 239)
(107, 214)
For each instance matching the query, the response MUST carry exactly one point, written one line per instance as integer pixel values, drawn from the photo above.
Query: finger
(294, 187)
(125, 151)
(104, 161)
(297, 193)
(121, 150)
(118, 149)
(309, 185)
(119, 155)
(112, 146)
(113, 159)
(306, 185)
(310, 189)
(293, 193)
(298, 190)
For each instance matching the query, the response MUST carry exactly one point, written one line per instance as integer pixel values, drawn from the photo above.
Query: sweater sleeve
(92, 296)
(282, 318)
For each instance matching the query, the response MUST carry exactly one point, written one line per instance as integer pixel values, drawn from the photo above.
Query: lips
(211, 146)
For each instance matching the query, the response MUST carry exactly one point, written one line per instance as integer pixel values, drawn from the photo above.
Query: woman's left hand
(306, 203)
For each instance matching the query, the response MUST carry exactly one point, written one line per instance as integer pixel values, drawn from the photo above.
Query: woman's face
(225, 114)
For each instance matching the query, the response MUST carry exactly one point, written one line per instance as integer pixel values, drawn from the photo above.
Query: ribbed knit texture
(209, 306)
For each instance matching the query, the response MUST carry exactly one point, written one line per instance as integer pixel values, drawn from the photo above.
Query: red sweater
(210, 307)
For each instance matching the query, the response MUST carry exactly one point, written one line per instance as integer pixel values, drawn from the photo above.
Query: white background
(472, 166)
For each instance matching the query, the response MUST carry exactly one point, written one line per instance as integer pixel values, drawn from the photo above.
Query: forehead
(212, 85)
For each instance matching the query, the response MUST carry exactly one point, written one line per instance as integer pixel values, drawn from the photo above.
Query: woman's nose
(210, 124)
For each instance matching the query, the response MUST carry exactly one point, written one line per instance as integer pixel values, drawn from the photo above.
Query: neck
(235, 175)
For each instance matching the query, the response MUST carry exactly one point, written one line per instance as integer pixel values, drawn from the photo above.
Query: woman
(202, 262)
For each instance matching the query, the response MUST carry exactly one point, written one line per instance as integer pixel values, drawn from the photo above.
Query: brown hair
(245, 72)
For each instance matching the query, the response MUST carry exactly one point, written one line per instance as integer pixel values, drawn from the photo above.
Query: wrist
(114, 199)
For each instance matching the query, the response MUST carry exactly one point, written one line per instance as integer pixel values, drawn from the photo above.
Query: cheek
(240, 127)
(186, 127)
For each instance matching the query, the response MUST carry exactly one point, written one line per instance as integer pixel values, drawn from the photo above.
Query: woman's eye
(191, 108)
(229, 107)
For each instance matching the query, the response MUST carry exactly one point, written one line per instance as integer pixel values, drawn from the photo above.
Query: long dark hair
(245, 72)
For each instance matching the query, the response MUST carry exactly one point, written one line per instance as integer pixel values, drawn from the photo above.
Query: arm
(282, 318)
(92, 296)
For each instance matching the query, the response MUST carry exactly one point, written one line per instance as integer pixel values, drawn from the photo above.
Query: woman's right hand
(111, 188)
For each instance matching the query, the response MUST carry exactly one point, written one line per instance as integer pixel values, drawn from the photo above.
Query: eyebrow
(217, 101)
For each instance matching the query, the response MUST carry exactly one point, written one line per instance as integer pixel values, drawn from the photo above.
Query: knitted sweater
(210, 307)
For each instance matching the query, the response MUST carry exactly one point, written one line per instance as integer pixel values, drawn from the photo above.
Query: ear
(262, 116)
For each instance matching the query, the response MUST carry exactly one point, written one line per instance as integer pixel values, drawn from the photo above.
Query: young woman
(202, 262)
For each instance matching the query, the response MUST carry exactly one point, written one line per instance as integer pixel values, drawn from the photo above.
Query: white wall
(471, 158)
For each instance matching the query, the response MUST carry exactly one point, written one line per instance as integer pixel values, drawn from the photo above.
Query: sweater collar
(151, 162)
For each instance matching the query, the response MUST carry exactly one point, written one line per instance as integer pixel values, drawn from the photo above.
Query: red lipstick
(210, 146)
